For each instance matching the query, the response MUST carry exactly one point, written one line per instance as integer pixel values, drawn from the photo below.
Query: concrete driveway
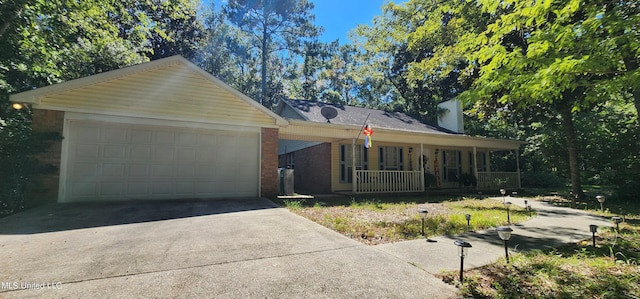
(216, 249)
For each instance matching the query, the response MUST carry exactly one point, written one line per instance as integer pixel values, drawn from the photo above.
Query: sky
(338, 17)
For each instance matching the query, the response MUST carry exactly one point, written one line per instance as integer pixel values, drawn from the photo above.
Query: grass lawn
(391, 219)
(609, 270)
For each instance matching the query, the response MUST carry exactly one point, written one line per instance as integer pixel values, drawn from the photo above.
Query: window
(391, 158)
(482, 162)
(346, 170)
(452, 165)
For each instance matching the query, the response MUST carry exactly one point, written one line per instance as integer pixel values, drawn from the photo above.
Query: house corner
(269, 162)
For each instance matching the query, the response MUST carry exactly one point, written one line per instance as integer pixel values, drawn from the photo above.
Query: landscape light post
(504, 232)
(423, 214)
(503, 192)
(600, 199)
(617, 220)
(507, 205)
(463, 248)
(468, 217)
(594, 229)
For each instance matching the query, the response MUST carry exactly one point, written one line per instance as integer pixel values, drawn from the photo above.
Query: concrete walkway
(553, 226)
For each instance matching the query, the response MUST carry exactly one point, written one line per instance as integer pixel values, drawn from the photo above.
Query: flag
(367, 136)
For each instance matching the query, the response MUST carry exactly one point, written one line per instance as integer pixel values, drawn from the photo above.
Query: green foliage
(468, 179)
(542, 179)
(294, 204)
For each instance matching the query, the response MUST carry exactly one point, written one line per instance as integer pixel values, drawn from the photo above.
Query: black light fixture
(529, 209)
(504, 232)
(423, 215)
(463, 248)
(526, 202)
(468, 217)
(617, 220)
(506, 206)
(594, 229)
(600, 199)
(503, 192)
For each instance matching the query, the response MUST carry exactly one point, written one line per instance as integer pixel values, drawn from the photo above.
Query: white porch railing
(383, 181)
(495, 180)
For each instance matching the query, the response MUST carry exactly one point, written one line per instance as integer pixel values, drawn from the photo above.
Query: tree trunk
(264, 58)
(572, 147)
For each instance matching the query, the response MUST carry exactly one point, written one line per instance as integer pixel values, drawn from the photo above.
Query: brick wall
(45, 121)
(312, 169)
(269, 163)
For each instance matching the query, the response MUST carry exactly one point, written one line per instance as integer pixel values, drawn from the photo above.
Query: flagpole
(362, 128)
(354, 184)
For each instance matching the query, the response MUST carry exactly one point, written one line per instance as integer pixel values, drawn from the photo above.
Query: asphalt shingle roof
(350, 115)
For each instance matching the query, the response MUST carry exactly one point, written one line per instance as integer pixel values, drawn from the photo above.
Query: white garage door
(109, 161)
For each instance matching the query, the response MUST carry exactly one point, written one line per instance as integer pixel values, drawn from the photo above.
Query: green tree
(413, 43)
(273, 27)
(541, 54)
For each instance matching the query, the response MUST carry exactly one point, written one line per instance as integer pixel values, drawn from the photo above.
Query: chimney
(451, 119)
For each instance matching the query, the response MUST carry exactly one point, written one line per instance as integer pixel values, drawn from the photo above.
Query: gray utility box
(285, 177)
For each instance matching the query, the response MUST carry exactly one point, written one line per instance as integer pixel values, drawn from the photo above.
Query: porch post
(475, 166)
(353, 167)
(423, 187)
(518, 167)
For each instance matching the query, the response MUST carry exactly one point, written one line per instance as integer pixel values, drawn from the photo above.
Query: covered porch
(404, 161)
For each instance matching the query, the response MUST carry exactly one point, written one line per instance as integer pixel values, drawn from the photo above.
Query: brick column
(48, 121)
(269, 163)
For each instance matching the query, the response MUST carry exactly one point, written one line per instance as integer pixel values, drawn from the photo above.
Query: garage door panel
(114, 151)
(187, 139)
(111, 189)
(184, 188)
(107, 161)
(138, 170)
(162, 188)
(116, 135)
(86, 151)
(81, 170)
(140, 152)
(140, 136)
(89, 133)
(186, 171)
(187, 154)
(83, 189)
(137, 189)
(163, 154)
(164, 138)
(113, 170)
(162, 171)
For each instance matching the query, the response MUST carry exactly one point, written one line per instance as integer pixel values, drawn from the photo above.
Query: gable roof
(351, 115)
(170, 88)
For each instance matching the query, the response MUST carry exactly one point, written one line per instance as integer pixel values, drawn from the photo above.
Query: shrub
(542, 179)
